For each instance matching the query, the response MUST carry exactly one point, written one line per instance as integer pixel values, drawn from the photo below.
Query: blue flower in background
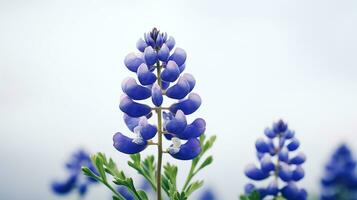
(208, 194)
(277, 159)
(158, 68)
(75, 179)
(340, 179)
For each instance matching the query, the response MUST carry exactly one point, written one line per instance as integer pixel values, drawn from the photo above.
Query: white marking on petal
(176, 144)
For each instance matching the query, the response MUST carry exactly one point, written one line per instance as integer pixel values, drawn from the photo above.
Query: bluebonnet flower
(75, 179)
(159, 70)
(276, 160)
(340, 179)
(208, 194)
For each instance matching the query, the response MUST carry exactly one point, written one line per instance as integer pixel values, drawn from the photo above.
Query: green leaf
(86, 171)
(252, 196)
(205, 163)
(193, 187)
(143, 195)
(244, 197)
(146, 168)
(179, 196)
(118, 198)
(99, 162)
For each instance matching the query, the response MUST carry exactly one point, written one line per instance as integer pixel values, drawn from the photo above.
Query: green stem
(191, 174)
(159, 143)
(113, 190)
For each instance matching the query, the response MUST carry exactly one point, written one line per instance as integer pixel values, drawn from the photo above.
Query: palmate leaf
(104, 167)
(189, 188)
(146, 168)
(193, 187)
(169, 180)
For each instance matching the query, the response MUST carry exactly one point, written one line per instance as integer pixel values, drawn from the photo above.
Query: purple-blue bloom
(340, 179)
(75, 179)
(159, 73)
(208, 194)
(278, 159)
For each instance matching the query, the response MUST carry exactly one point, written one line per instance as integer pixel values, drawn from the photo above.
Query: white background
(61, 66)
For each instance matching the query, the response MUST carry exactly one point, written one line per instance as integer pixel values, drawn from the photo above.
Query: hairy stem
(159, 142)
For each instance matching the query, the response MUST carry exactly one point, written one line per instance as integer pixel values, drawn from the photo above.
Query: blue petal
(168, 136)
(164, 37)
(290, 191)
(126, 145)
(149, 39)
(280, 127)
(288, 134)
(132, 108)
(193, 130)
(145, 76)
(171, 72)
(131, 122)
(293, 145)
(179, 90)
(189, 105)
(270, 133)
(170, 43)
(64, 187)
(163, 53)
(179, 56)
(262, 146)
(190, 80)
(165, 85)
(133, 60)
(156, 97)
(159, 40)
(150, 56)
(182, 67)
(82, 189)
(189, 150)
(141, 45)
(135, 91)
(252, 172)
(298, 159)
(207, 195)
(177, 124)
(147, 130)
(249, 188)
(284, 172)
(266, 164)
(298, 173)
(284, 155)
(272, 188)
(302, 195)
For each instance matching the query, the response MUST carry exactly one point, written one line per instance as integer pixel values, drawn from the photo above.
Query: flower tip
(126, 145)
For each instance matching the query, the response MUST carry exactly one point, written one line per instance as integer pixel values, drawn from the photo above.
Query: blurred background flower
(75, 180)
(278, 160)
(340, 179)
(60, 63)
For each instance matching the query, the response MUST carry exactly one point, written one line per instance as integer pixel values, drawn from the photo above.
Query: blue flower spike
(340, 178)
(157, 64)
(279, 161)
(156, 104)
(75, 180)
